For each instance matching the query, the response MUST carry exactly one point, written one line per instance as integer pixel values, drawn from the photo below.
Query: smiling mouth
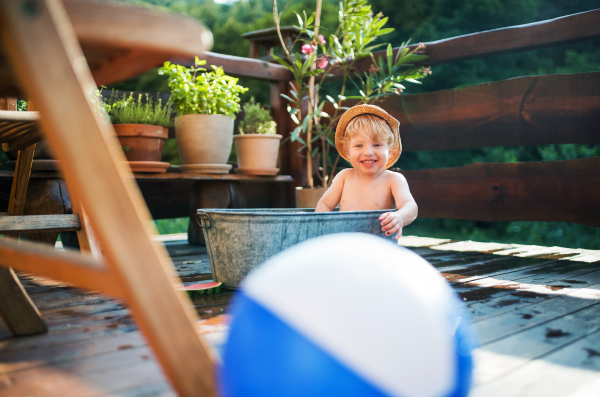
(368, 161)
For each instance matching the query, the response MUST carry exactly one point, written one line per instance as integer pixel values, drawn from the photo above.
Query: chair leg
(87, 239)
(16, 308)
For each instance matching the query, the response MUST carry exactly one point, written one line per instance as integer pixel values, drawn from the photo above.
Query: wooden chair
(20, 131)
(134, 269)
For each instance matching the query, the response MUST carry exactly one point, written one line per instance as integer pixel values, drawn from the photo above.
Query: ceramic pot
(309, 197)
(204, 138)
(141, 142)
(257, 152)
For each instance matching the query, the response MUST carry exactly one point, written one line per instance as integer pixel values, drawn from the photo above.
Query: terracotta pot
(257, 151)
(141, 142)
(204, 138)
(309, 197)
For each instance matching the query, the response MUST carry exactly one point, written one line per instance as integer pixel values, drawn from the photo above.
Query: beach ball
(347, 314)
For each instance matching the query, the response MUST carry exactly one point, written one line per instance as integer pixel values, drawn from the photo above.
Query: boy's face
(367, 156)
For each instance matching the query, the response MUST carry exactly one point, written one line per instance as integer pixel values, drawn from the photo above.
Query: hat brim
(358, 110)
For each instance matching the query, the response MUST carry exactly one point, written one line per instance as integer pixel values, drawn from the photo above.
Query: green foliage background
(426, 20)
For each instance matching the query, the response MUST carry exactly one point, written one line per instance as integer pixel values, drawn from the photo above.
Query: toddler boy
(369, 138)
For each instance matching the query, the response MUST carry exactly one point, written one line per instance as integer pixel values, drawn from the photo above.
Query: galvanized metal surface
(238, 240)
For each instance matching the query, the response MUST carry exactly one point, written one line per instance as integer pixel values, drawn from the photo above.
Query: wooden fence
(533, 110)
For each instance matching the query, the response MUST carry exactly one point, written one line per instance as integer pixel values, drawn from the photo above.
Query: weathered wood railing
(534, 110)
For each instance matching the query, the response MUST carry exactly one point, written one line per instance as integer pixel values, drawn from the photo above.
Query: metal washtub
(238, 240)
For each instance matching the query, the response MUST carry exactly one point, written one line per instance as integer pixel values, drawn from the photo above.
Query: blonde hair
(370, 125)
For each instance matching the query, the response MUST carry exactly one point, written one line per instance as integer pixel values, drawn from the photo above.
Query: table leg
(16, 308)
(212, 194)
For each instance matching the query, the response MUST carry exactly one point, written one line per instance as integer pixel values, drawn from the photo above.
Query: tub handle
(202, 216)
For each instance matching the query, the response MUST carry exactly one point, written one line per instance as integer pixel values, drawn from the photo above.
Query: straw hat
(355, 111)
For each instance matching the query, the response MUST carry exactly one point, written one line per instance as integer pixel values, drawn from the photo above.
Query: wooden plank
(559, 191)
(26, 359)
(532, 110)
(487, 289)
(104, 375)
(527, 293)
(573, 28)
(29, 137)
(17, 116)
(70, 267)
(415, 241)
(18, 192)
(519, 349)
(242, 67)
(212, 177)
(556, 374)
(534, 309)
(39, 223)
(84, 144)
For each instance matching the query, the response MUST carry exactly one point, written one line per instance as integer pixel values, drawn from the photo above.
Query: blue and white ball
(347, 315)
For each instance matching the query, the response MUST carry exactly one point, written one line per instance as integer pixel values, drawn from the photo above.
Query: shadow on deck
(536, 311)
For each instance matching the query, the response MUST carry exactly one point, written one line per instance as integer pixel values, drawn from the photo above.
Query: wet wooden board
(535, 310)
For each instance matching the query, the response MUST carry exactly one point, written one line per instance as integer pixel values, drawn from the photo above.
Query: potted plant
(257, 145)
(352, 40)
(141, 127)
(206, 104)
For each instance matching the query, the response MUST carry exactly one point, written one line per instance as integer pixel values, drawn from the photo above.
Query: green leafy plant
(22, 105)
(194, 90)
(353, 40)
(128, 110)
(257, 120)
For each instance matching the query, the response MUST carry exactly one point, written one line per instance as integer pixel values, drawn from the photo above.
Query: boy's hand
(391, 223)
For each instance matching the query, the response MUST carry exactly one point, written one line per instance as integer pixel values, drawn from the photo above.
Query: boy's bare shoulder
(345, 173)
(394, 177)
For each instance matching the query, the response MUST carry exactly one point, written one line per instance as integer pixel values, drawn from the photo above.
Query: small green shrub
(257, 120)
(130, 111)
(196, 91)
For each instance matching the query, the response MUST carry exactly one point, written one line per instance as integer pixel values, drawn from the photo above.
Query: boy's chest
(366, 196)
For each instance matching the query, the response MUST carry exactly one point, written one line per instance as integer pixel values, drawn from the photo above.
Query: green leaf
(390, 54)
(314, 152)
(300, 21)
(283, 63)
(305, 124)
(294, 118)
(385, 31)
(296, 133)
(288, 98)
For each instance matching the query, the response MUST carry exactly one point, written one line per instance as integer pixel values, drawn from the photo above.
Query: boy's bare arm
(393, 222)
(333, 195)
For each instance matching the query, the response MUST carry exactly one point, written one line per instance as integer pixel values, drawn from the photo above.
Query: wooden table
(168, 195)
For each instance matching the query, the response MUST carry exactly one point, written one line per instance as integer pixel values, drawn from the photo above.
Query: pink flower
(307, 49)
(322, 39)
(322, 62)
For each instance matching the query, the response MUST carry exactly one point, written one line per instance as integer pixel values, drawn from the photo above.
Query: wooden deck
(536, 310)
